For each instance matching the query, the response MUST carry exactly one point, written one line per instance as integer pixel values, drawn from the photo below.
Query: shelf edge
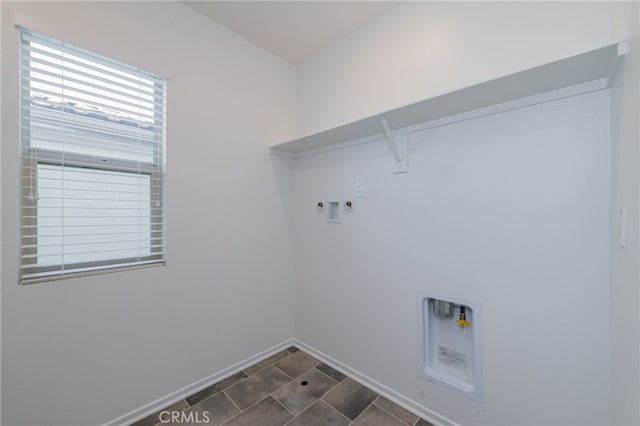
(617, 49)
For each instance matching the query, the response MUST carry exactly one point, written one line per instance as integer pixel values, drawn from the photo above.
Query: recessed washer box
(450, 343)
(333, 212)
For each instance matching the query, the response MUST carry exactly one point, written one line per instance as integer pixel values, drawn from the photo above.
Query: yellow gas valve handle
(462, 318)
(463, 323)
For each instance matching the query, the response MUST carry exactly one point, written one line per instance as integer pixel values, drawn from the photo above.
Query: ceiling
(293, 30)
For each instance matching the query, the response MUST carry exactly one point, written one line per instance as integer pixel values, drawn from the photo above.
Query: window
(92, 134)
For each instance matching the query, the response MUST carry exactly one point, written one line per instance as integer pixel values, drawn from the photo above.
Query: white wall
(86, 351)
(509, 210)
(504, 210)
(625, 261)
(420, 49)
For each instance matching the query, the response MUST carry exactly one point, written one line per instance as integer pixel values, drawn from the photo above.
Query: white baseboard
(160, 403)
(390, 394)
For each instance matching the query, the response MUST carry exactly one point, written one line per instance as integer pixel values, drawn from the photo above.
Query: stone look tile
(395, 410)
(154, 419)
(331, 372)
(252, 389)
(350, 398)
(218, 408)
(267, 412)
(265, 395)
(374, 416)
(266, 362)
(297, 397)
(215, 388)
(297, 363)
(320, 414)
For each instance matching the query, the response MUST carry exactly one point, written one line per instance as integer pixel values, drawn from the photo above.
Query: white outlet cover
(360, 188)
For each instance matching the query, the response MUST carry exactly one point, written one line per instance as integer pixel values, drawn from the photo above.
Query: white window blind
(92, 134)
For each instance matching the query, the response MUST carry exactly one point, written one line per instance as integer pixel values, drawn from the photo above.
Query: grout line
(246, 409)
(337, 411)
(254, 404)
(232, 384)
(314, 401)
(334, 408)
(301, 413)
(284, 406)
(325, 374)
(267, 396)
(418, 421)
(160, 408)
(214, 394)
(334, 369)
(267, 366)
(303, 373)
(395, 417)
(318, 400)
(232, 401)
(336, 383)
(363, 411)
(233, 417)
(286, 384)
(403, 401)
(283, 372)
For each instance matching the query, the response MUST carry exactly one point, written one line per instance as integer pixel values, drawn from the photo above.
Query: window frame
(32, 156)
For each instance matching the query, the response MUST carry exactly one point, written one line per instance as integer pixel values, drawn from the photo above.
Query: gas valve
(462, 319)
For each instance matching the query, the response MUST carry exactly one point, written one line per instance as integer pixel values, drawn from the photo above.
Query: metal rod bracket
(397, 141)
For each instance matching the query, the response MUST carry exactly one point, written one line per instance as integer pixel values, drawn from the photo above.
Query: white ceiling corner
(293, 30)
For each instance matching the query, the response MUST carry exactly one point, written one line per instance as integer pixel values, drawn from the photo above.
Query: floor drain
(304, 383)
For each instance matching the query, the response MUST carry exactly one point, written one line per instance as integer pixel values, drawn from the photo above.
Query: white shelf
(573, 75)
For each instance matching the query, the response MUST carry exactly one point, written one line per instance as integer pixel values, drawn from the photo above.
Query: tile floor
(289, 388)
